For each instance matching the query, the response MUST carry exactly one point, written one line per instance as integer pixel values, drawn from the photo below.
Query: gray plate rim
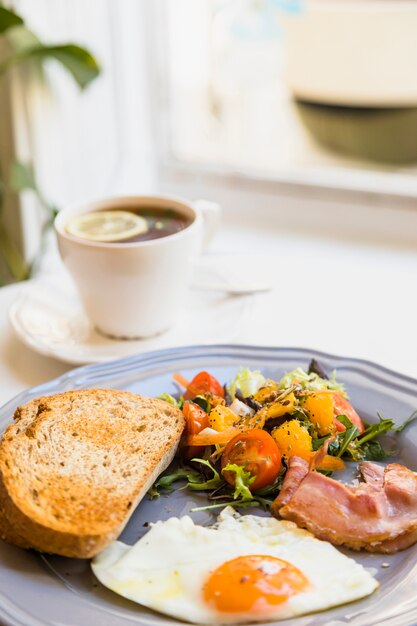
(11, 614)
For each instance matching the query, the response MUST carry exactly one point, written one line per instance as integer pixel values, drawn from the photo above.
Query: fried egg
(242, 569)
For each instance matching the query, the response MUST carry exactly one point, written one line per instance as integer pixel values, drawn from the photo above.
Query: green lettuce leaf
(310, 382)
(168, 398)
(247, 381)
(243, 480)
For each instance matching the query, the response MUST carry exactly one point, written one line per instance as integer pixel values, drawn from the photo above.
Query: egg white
(167, 568)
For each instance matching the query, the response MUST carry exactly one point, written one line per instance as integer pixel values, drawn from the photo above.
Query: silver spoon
(236, 289)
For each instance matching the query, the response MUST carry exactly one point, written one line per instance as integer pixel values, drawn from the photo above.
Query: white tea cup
(135, 289)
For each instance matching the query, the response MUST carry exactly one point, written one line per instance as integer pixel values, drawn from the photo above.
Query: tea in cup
(131, 258)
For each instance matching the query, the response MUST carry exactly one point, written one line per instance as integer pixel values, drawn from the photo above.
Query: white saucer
(47, 316)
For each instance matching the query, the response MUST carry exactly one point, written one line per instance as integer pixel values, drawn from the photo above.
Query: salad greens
(243, 481)
(171, 400)
(248, 382)
(310, 381)
(220, 492)
(301, 414)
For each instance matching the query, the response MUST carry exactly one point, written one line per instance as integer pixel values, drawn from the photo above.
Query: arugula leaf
(383, 426)
(343, 419)
(355, 452)
(346, 437)
(272, 489)
(319, 441)
(240, 503)
(373, 451)
(242, 496)
(333, 448)
(243, 480)
(350, 434)
(364, 446)
(412, 417)
(153, 492)
(165, 481)
(206, 485)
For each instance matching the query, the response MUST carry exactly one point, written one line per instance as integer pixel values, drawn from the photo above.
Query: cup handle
(211, 213)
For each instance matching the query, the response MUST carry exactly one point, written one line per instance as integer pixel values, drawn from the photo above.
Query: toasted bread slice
(74, 466)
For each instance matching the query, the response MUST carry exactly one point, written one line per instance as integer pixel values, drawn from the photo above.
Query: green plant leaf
(78, 61)
(8, 19)
(12, 257)
(22, 177)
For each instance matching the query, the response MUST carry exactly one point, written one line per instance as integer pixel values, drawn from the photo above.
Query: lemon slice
(107, 226)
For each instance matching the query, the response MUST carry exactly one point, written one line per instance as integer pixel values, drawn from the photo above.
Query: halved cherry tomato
(196, 420)
(201, 384)
(341, 406)
(257, 453)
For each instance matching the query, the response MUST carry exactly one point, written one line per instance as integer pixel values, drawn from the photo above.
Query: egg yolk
(253, 583)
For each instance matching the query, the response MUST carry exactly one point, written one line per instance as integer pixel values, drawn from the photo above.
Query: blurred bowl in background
(379, 135)
(354, 52)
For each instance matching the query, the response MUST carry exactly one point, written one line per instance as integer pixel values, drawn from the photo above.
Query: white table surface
(341, 297)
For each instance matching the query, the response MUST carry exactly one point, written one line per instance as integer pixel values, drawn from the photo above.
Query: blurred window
(242, 93)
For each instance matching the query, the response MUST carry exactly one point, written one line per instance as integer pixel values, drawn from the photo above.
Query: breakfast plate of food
(219, 484)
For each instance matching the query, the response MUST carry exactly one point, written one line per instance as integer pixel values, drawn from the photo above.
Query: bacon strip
(378, 515)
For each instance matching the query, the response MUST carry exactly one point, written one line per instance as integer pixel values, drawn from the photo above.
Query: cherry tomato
(257, 453)
(204, 383)
(196, 420)
(341, 406)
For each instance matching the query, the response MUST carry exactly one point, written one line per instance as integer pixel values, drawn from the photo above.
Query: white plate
(48, 317)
